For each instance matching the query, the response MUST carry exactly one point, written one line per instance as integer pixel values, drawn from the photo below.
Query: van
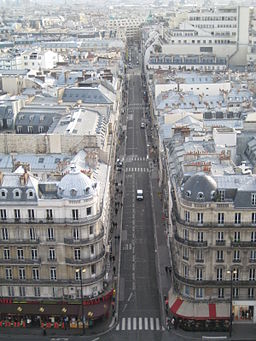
(139, 194)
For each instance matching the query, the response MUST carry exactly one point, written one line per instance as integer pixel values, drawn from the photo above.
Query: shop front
(53, 314)
(243, 311)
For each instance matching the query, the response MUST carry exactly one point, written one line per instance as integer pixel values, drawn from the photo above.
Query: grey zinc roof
(86, 95)
(197, 184)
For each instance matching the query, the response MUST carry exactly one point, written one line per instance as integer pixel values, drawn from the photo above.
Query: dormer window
(188, 194)
(3, 193)
(200, 195)
(73, 192)
(30, 194)
(87, 190)
(16, 194)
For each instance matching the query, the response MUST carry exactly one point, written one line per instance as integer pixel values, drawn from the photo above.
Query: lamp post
(81, 271)
(231, 272)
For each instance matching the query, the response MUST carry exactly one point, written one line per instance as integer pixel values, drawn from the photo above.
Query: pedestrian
(114, 270)
(116, 210)
(173, 322)
(166, 269)
(170, 270)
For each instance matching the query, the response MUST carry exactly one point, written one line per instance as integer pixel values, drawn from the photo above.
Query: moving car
(139, 195)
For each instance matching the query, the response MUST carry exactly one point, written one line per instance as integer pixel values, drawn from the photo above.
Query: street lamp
(81, 271)
(231, 272)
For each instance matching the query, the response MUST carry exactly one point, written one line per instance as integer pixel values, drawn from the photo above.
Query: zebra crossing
(131, 158)
(139, 323)
(137, 169)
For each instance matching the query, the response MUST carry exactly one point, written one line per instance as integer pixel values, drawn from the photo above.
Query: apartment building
(52, 233)
(221, 32)
(212, 233)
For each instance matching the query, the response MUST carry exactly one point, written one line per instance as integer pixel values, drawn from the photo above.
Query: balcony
(220, 242)
(236, 260)
(85, 220)
(252, 260)
(193, 243)
(20, 241)
(52, 260)
(240, 243)
(220, 260)
(85, 261)
(200, 260)
(24, 261)
(72, 241)
(62, 282)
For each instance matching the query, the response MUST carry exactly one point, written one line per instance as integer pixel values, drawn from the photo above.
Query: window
(236, 274)
(16, 194)
(40, 129)
(77, 254)
(93, 269)
(6, 254)
(30, 129)
(220, 218)
(199, 255)
(253, 199)
(50, 233)
(32, 234)
(76, 234)
(53, 275)
(22, 291)
(187, 290)
(199, 274)
(220, 292)
(52, 255)
(235, 292)
(3, 214)
(185, 271)
(220, 236)
(250, 292)
(91, 230)
(253, 218)
(185, 253)
(219, 274)
(22, 274)
(77, 275)
(253, 255)
(8, 273)
(185, 234)
(237, 236)
(49, 214)
(200, 218)
(219, 256)
(34, 254)
(92, 249)
(37, 291)
(3, 193)
(199, 292)
(187, 216)
(75, 214)
(11, 291)
(88, 211)
(20, 254)
(236, 255)
(5, 233)
(35, 274)
(222, 195)
(253, 236)
(237, 218)
(31, 214)
(206, 48)
(252, 272)
(200, 237)
(17, 214)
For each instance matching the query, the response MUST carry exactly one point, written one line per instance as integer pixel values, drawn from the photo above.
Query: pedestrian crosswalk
(130, 158)
(139, 323)
(137, 169)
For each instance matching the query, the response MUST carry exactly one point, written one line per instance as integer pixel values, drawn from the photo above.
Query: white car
(142, 125)
(139, 195)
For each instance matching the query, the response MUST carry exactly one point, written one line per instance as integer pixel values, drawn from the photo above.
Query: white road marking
(146, 323)
(134, 323)
(157, 324)
(123, 323)
(129, 323)
(140, 323)
(151, 323)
